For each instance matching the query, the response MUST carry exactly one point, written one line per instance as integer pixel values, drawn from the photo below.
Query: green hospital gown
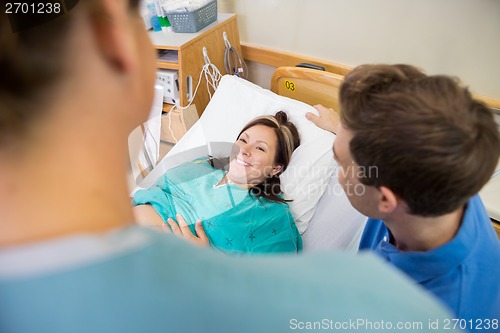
(234, 220)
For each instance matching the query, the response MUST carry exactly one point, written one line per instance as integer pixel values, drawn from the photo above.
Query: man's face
(363, 198)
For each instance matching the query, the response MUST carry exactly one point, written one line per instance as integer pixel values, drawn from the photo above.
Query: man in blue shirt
(413, 152)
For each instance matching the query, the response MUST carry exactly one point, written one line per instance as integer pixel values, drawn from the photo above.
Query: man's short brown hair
(432, 143)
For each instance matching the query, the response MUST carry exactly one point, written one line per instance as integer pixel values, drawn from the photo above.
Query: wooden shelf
(167, 65)
(190, 61)
(167, 107)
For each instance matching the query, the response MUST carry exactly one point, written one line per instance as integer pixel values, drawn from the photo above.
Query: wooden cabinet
(190, 60)
(496, 226)
(174, 125)
(186, 56)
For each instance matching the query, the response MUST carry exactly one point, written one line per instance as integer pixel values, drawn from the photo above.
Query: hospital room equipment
(184, 53)
(190, 15)
(153, 17)
(234, 64)
(212, 77)
(320, 208)
(169, 79)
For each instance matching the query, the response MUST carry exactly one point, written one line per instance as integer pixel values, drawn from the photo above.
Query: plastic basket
(194, 21)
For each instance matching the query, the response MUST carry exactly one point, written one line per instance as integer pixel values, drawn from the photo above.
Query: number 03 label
(289, 85)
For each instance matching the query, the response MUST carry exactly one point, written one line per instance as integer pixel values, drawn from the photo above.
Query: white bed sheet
(335, 223)
(332, 223)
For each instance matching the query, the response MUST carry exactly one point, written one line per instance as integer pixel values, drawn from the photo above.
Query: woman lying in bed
(241, 209)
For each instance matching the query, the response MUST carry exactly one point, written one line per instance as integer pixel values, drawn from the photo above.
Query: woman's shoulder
(202, 162)
(197, 167)
(271, 205)
(268, 202)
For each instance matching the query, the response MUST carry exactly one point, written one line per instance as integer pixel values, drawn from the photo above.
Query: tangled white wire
(212, 76)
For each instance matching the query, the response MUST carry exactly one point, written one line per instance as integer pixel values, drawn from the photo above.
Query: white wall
(454, 37)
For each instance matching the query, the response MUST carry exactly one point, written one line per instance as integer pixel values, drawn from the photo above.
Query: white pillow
(233, 105)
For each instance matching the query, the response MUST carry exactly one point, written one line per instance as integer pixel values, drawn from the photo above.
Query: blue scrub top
(137, 280)
(464, 273)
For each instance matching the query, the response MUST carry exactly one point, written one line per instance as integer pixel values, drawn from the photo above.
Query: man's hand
(328, 119)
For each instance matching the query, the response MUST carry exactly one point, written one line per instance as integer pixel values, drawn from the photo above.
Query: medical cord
(212, 76)
(234, 63)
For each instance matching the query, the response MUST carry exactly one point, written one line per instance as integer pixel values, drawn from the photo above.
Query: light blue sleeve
(144, 288)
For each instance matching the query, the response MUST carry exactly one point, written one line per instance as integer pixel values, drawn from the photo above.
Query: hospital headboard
(335, 223)
(307, 85)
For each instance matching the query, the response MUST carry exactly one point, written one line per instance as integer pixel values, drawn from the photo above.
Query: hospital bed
(320, 208)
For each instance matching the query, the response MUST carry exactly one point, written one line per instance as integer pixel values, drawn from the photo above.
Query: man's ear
(388, 200)
(112, 33)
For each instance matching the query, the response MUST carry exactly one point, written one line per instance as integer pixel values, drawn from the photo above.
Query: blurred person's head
(99, 45)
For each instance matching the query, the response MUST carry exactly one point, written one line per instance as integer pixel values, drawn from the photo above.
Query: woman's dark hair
(288, 140)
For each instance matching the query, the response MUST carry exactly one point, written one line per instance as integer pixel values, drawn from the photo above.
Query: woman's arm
(145, 215)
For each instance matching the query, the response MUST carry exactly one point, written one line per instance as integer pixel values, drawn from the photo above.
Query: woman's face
(252, 159)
